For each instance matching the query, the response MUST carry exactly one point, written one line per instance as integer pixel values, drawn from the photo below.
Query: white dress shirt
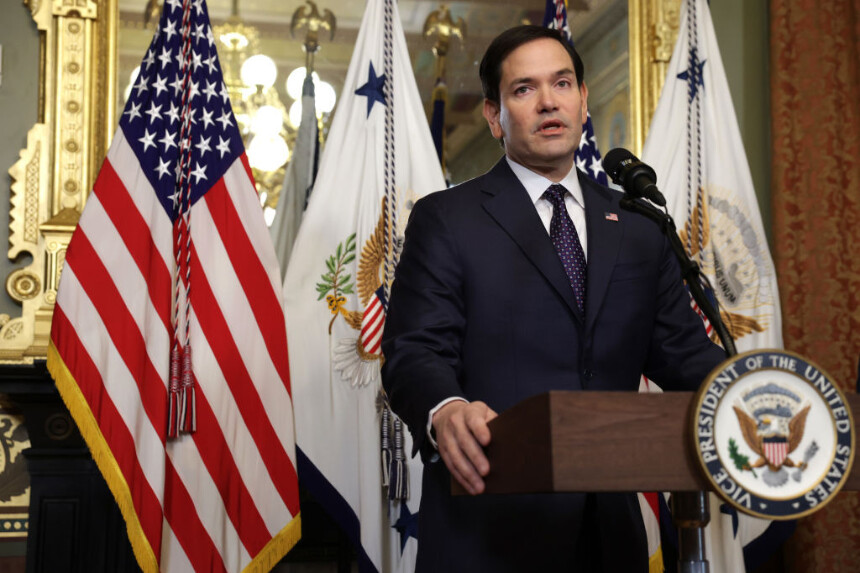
(536, 185)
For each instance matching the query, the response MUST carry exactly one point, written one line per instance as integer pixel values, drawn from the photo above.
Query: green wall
(742, 32)
(19, 93)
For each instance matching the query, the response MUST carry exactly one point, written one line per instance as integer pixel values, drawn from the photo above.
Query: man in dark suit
(528, 279)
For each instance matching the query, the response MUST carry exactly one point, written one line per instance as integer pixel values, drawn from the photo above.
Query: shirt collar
(536, 184)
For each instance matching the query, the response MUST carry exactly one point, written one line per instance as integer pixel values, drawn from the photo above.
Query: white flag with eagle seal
(378, 160)
(695, 147)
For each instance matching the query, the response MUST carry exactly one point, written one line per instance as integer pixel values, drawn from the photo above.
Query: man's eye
(521, 90)
(564, 83)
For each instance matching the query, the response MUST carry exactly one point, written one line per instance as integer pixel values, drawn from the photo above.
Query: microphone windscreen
(614, 161)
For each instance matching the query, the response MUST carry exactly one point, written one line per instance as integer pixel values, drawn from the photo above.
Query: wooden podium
(600, 441)
(610, 441)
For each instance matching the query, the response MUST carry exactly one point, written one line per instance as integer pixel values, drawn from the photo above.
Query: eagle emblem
(773, 434)
(772, 421)
(358, 358)
(718, 234)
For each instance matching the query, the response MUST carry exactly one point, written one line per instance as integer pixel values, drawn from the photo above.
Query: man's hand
(461, 433)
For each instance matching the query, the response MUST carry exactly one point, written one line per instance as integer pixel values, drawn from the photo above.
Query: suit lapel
(604, 242)
(509, 204)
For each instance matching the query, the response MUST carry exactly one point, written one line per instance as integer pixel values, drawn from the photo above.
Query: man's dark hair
(510, 40)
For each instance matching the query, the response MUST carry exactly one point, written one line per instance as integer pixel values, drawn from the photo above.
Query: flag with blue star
(372, 89)
(695, 147)
(406, 525)
(693, 74)
(353, 456)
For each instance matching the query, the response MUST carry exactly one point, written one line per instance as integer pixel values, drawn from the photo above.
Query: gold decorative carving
(50, 181)
(83, 8)
(33, 5)
(666, 33)
(12, 330)
(57, 232)
(22, 285)
(70, 172)
(31, 196)
(653, 29)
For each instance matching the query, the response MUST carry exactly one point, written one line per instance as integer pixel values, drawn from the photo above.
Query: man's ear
(491, 114)
(583, 96)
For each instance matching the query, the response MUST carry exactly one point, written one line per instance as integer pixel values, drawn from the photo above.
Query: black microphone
(637, 178)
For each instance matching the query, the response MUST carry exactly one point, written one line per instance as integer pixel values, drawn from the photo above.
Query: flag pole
(444, 27)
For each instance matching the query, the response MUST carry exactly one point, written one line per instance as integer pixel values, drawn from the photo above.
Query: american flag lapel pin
(611, 216)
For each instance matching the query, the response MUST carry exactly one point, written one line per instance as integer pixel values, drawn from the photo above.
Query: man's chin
(557, 154)
(546, 163)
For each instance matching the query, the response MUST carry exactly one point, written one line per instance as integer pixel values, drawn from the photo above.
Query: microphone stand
(690, 510)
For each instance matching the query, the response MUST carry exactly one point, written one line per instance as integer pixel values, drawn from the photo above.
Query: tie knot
(555, 194)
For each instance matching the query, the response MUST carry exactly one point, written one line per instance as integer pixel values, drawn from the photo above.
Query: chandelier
(250, 79)
(268, 129)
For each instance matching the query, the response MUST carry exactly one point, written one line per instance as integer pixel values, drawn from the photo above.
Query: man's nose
(547, 99)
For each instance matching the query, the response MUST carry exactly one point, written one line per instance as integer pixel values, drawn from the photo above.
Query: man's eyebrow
(528, 79)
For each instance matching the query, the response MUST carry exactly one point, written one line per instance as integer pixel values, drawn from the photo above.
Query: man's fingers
(461, 431)
(476, 421)
(469, 443)
(463, 471)
(491, 414)
(461, 466)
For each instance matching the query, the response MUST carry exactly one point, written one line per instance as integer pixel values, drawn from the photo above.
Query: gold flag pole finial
(309, 15)
(151, 13)
(440, 23)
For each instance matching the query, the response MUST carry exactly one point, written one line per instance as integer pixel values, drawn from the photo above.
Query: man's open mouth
(551, 126)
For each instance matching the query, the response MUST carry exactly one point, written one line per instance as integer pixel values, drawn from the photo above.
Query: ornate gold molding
(653, 28)
(52, 178)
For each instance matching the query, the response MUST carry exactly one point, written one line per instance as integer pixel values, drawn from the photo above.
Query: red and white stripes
(213, 500)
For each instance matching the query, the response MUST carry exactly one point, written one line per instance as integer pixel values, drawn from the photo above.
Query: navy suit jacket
(481, 308)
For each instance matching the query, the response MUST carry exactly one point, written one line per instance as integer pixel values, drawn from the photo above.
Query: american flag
(373, 321)
(709, 328)
(587, 156)
(175, 207)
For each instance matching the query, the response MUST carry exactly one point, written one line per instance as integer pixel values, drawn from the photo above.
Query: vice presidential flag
(169, 322)
(379, 158)
(695, 147)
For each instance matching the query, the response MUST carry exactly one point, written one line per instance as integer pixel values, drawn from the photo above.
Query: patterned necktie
(566, 241)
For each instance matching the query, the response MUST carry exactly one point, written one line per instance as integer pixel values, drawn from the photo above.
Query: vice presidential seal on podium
(774, 434)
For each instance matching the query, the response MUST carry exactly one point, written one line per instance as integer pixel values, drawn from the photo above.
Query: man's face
(541, 110)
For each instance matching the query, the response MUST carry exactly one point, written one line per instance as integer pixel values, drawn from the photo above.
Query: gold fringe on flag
(277, 547)
(89, 428)
(655, 562)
